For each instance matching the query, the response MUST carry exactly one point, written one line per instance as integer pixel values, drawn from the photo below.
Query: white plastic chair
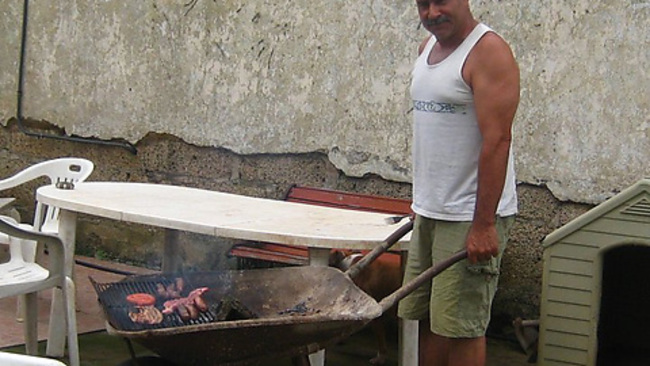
(14, 359)
(58, 171)
(20, 277)
(46, 219)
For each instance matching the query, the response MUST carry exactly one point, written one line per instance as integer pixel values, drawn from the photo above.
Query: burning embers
(300, 309)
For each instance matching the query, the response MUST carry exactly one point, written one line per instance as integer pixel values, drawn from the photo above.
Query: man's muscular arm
(493, 74)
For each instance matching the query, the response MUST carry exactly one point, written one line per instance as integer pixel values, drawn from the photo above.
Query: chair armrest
(55, 245)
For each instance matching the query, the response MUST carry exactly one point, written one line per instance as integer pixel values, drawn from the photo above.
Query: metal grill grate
(112, 297)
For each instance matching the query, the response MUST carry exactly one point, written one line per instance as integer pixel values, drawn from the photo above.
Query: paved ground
(99, 349)
(89, 314)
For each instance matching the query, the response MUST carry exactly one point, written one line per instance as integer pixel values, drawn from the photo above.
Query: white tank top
(447, 140)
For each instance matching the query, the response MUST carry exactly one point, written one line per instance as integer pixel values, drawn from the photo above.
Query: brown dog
(381, 278)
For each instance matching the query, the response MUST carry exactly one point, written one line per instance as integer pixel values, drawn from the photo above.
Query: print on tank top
(430, 106)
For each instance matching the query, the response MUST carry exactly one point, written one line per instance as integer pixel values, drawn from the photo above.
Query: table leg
(57, 328)
(171, 260)
(408, 339)
(408, 330)
(318, 257)
(408, 343)
(317, 358)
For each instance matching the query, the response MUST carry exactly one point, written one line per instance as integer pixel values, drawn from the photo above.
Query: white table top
(225, 215)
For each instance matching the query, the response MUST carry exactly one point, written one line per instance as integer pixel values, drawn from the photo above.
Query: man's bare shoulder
(423, 44)
(492, 48)
(492, 56)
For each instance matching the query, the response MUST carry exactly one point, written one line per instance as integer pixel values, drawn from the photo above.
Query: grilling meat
(141, 299)
(146, 315)
(171, 291)
(180, 284)
(187, 307)
(192, 310)
(200, 303)
(183, 312)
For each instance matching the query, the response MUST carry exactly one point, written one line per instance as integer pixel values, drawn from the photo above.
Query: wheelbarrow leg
(302, 360)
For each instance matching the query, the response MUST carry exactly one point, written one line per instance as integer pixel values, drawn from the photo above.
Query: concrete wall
(253, 96)
(293, 77)
(584, 121)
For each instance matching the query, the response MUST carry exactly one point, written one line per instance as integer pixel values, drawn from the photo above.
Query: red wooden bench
(258, 255)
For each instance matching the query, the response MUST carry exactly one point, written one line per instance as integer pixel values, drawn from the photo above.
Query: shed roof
(640, 187)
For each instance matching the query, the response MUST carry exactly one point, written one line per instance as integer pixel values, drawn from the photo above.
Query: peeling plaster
(359, 163)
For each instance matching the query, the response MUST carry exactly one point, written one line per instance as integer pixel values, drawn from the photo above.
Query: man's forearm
(492, 169)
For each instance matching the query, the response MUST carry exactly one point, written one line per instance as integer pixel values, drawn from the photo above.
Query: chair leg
(28, 249)
(20, 308)
(31, 323)
(57, 328)
(71, 320)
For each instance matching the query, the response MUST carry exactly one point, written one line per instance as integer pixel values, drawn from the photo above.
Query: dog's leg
(379, 329)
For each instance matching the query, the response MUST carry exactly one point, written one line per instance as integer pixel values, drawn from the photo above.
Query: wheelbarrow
(294, 311)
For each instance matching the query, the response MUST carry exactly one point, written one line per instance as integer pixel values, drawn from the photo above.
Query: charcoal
(230, 309)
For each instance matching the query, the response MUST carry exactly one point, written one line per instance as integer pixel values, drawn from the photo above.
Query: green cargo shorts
(458, 300)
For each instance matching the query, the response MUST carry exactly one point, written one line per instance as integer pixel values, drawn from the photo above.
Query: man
(465, 92)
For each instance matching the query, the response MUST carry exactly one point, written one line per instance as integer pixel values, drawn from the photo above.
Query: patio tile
(89, 313)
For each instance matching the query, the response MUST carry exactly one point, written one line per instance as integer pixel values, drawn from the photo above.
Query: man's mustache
(439, 20)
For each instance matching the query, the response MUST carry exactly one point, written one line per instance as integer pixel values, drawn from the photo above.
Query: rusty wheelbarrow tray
(299, 310)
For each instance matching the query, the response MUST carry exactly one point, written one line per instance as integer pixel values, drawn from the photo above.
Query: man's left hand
(482, 243)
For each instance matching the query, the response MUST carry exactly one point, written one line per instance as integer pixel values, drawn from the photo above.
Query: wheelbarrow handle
(392, 299)
(393, 238)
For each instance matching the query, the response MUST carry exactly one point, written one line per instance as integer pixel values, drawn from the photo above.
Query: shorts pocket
(490, 267)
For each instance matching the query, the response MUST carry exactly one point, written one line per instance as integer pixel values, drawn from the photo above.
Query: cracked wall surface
(275, 77)
(252, 97)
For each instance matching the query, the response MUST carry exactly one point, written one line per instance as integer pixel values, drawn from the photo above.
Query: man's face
(443, 18)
